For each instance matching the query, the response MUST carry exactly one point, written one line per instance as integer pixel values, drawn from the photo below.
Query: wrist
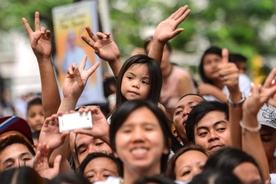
(236, 100)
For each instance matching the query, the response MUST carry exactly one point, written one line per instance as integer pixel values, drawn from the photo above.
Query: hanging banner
(69, 23)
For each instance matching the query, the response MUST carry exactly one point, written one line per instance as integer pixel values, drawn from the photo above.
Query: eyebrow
(104, 169)
(189, 103)
(21, 155)
(215, 124)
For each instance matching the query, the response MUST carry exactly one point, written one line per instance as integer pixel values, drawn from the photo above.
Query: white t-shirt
(244, 85)
(273, 178)
(110, 180)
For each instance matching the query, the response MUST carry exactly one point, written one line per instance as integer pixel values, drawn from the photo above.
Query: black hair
(199, 111)
(191, 94)
(215, 176)
(155, 77)
(158, 179)
(170, 172)
(69, 178)
(122, 113)
(149, 39)
(236, 57)
(15, 139)
(228, 158)
(20, 175)
(212, 50)
(34, 101)
(95, 155)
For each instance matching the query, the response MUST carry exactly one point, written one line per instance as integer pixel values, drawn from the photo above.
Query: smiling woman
(139, 137)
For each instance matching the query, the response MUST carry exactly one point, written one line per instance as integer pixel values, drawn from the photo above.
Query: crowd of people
(162, 125)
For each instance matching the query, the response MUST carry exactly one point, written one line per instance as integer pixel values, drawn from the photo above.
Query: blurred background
(247, 27)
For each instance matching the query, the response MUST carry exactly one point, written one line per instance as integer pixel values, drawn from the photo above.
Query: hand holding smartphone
(68, 122)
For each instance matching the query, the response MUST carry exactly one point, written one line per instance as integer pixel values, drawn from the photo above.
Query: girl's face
(136, 82)
(210, 66)
(99, 169)
(140, 142)
(247, 173)
(189, 164)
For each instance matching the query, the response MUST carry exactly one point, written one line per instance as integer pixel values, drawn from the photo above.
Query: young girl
(216, 74)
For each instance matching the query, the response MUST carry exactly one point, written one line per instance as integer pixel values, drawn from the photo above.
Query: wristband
(236, 104)
(250, 129)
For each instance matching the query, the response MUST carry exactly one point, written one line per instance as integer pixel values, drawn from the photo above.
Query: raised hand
(41, 163)
(40, 38)
(50, 134)
(102, 44)
(267, 84)
(100, 127)
(228, 72)
(167, 29)
(76, 79)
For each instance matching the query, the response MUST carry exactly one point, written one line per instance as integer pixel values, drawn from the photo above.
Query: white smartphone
(68, 122)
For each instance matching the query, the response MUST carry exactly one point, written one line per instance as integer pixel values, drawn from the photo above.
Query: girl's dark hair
(199, 111)
(21, 175)
(122, 113)
(212, 50)
(227, 159)
(154, 179)
(215, 176)
(155, 77)
(70, 178)
(170, 172)
(95, 155)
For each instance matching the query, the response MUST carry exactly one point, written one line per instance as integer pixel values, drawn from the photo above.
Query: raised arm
(105, 48)
(166, 30)
(251, 139)
(230, 77)
(40, 40)
(74, 83)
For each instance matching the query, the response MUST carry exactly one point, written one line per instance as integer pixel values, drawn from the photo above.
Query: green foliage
(234, 24)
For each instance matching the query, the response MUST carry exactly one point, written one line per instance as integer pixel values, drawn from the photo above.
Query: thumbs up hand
(229, 73)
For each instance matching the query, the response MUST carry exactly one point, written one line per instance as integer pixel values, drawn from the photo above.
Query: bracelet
(236, 104)
(250, 129)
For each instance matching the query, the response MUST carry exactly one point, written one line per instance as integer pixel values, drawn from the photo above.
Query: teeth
(139, 151)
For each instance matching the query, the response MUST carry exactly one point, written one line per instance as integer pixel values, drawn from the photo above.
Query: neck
(167, 71)
(130, 176)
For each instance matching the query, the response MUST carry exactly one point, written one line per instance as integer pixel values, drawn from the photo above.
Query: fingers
(225, 56)
(27, 26)
(93, 68)
(83, 62)
(179, 12)
(90, 33)
(271, 76)
(37, 21)
(57, 163)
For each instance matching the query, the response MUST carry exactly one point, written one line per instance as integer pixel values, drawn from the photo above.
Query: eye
(202, 134)
(81, 150)
(266, 138)
(178, 112)
(129, 78)
(90, 176)
(145, 82)
(221, 129)
(9, 165)
(99, 143)
(186, 173)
